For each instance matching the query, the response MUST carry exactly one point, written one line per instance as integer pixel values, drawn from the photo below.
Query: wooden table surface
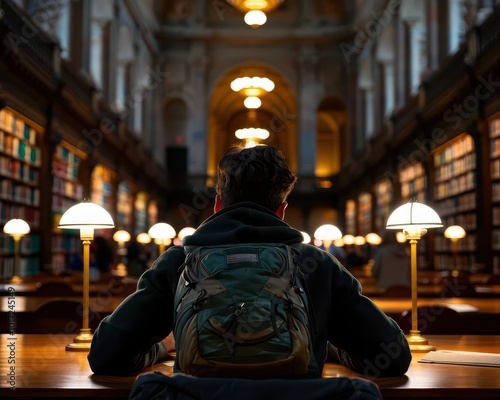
(43, 369)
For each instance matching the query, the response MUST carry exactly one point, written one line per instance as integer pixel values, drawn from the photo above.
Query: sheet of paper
(462, 308)
(462, 358)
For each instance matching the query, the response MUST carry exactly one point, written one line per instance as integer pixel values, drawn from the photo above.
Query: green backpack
(241, 311)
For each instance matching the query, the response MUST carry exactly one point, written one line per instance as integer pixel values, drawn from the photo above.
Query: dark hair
(258, 174)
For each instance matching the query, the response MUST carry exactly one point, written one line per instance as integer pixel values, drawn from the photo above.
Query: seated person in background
(353, 257)
(252, 188)
(391, 265)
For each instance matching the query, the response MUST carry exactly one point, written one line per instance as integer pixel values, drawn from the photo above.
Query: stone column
(197, 135)
(307, 91)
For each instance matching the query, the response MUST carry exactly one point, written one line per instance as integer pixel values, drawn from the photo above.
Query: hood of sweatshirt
(243, 222)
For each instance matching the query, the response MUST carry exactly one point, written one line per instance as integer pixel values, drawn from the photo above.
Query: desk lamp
(373, 239)
(16, 228)
(162, 234)
(414, 218)
(121, 237)
(85, 216)
(306, 236)
(187, 231)
(327, 234)
(454, 233)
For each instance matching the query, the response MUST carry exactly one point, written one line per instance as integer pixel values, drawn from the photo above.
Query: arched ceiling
(228, 112)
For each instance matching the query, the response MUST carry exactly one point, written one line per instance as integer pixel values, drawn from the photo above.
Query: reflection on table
(44, 369)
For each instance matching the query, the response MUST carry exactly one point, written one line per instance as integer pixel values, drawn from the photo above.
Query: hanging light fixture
(255, 10)
(252, 88)
(253, 132)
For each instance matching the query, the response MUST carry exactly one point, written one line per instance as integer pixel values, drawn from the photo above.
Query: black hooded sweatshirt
(362, 337)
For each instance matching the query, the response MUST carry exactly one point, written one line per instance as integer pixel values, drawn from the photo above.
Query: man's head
(258, 174)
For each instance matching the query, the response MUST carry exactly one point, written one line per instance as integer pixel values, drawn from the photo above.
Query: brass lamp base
(418, 343)
(81, 342)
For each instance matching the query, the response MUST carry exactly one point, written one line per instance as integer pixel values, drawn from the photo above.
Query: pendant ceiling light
(255, 10)
(252, 88)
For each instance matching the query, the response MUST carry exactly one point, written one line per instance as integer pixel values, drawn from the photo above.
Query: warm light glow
(414, 218)
(16, 228)
(256, 7)
(400, 237)
(307, 238)
(121, 236)
(338, 242)
(86, 214)
(373, 239)
(349, 239)
(143, 238)
(164, 242)
(255, 18)
(252, 133)
(161, 230)
(86, 217)
(327, 232)
(252, 102)
(454, 232)
(254, 86)
(187, 231)
(359, 240)
(413, 215)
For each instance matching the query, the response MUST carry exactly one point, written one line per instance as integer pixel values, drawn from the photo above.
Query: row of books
(456, 185)
(11, 124)
(496, 216)
(495, 169)
(495, 194)
(19, 193)
(27, 266)
(468, 221)
(468, 243)
(61, 204)
(63, 187)
(412, 187)
(495, 128)
(495, 147)
(66, 243)
(9, 211)
(456, 167)
(64, 170)
(462, 262)
(29, 244)
(15, 169)
(495, 239)
(455, 151)
(458, 204)
(17, 148)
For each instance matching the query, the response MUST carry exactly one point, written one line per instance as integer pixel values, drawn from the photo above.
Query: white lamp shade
(327, 232)
(121, 236)
(359, 240)
(86, 214)
(16, 227)
(143, 238)
(161, 230)
(187, 231)
(255, 18)
(306, 236)
(413, 215)
(454, 232)
(252, 102)
(349, 239)
(373, 238)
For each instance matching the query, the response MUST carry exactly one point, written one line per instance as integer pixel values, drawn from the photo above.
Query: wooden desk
(111, 285)
(44, 370)
(486, 320)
